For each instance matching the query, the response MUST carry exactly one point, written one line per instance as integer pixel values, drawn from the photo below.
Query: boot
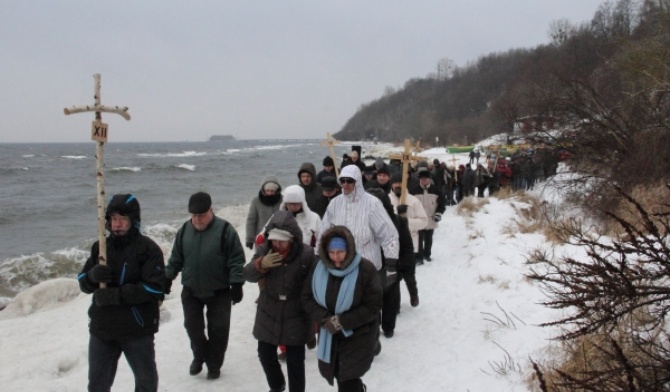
(196, 367)
(414, 300)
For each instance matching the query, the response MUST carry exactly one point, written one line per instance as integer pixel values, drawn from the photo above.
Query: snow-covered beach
(475, 329)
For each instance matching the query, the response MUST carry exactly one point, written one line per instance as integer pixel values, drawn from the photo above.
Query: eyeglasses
(347, 181)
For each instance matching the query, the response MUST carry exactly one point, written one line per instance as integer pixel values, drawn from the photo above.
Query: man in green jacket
(208, 252)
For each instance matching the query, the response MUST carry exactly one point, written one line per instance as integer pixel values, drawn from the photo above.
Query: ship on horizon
(222, 138)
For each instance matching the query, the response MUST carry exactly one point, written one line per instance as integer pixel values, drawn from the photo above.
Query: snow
(475, 329)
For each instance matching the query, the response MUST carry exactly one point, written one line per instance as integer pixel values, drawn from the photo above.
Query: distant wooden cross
(99, 135)
(453, 163)
(330, 142)
(405, 158)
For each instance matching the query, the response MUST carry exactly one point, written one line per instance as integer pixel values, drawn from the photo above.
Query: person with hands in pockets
(283, 261)
(124, 316)
(344, 294)
(208, 252)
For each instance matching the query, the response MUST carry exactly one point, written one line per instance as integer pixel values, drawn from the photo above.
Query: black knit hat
(396, 177)
(328, 161)
(125, 205)
(329, 183)
(199, 203)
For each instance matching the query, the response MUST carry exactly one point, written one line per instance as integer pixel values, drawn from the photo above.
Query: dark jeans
(210, 348)
(425, 243)
(295, 364)
(103, 358)
(355, 385)
(390, 305)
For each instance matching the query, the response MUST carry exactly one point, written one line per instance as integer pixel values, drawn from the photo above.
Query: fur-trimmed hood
(337, 231)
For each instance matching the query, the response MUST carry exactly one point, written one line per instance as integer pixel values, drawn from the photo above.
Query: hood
(337, 231)
(271, 178)
(352, 171)
(294, 194)
(284, 220)
(309, 168)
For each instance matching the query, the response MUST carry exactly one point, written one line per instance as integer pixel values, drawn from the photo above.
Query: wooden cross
(99, 135)
(330, 142)
(453, 163)
(405, 158)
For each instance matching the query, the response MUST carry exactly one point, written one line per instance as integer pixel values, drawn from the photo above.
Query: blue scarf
(345, 298)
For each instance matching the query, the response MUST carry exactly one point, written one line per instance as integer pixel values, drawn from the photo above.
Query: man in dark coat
(307, 180)
(328, 169)
(207, 249)
(406, 266)
(283, 261)
(330, 189)
(345, 297)
(123, 316)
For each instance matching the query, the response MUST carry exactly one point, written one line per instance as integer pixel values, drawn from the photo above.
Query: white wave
(173, 154)
(73, 156)
(186, 167)
(28, 156)
(126, 168)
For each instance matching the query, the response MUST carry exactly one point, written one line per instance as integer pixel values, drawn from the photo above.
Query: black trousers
(211, 347)
(391, 305)
(425, 243)
(295, 364)
(103, 358)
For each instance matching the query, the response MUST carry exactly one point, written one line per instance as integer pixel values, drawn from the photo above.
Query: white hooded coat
(365, 216)
(308, 220)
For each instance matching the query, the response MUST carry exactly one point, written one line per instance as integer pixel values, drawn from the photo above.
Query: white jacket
(308, 220)
(416, 216)
(365, 216)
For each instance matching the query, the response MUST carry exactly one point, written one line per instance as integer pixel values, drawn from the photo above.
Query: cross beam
(99, 135)
(405, 158)
(330, 142)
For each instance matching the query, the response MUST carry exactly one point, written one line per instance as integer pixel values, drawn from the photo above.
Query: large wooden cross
(330, 142)
(405, 158)
(99, 135)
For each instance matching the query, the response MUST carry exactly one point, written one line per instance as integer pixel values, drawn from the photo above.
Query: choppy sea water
(48, 217)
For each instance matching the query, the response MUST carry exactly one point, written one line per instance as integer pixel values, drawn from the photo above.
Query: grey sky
(253, 69)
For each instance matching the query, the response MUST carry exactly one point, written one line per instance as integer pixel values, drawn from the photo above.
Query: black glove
(236, 293)
(106, 297)
(100, 273)
(402, 209)
(250, 245)
(437, 217)
(391, 271)
(168, 286)
(332, 324)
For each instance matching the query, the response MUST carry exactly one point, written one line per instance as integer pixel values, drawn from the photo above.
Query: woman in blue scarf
(345, 298)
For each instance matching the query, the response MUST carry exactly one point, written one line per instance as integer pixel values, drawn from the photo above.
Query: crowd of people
(329, 255)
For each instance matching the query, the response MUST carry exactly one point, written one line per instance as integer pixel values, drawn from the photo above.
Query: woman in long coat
(284, 262)
(344, 295)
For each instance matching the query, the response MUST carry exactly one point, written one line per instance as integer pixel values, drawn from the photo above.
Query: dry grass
(654, 198)
(469, 205)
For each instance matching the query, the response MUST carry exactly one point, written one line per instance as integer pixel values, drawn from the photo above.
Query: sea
(48, 204)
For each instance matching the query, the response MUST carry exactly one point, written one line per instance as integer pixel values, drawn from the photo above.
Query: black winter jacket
(351, 357)
(138, 272)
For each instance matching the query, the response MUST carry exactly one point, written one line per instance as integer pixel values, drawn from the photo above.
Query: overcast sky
(253, 69)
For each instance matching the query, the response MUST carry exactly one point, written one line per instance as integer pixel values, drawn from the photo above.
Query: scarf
(345, 298)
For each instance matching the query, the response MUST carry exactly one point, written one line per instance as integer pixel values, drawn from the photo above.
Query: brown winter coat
(280, 318)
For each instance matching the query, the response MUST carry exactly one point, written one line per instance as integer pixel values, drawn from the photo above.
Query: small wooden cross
(405, 158)
(99, 135)
(330, 142)
(453, 163)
